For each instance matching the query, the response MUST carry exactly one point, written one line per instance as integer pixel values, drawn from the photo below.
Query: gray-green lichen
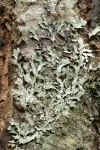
(51, 71)
(50, 81)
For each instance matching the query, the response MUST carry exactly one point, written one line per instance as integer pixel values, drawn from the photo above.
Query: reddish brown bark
(5, 53)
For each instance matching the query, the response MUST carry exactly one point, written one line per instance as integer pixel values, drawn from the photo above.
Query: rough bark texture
(5, 57)
(78, 130)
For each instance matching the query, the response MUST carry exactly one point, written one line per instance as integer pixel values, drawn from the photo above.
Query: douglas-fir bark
(5, 53)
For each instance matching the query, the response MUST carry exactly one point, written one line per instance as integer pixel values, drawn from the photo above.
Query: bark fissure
(5, 54)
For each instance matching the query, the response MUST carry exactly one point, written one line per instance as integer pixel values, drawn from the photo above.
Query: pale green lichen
(94, 31)
(50, 83)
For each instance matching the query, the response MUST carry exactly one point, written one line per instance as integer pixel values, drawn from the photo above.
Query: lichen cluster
(50, 82)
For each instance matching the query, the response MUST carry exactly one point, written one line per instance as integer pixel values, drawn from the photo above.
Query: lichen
(51, 82)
